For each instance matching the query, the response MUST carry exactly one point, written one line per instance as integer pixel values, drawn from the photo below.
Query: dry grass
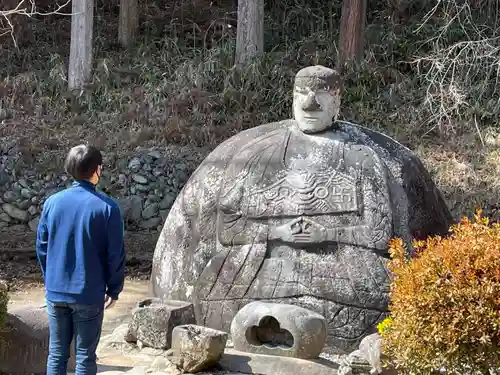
(467, 172)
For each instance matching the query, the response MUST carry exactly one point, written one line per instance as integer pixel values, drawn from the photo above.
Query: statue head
(316, 98)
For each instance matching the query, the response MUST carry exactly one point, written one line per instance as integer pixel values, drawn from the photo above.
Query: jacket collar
(84, 184)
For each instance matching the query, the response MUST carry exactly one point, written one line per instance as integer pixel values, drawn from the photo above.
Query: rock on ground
(153, 321)
(196, 348)
(279, 329)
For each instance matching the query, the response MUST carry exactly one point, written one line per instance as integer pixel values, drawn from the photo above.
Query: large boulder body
(278, 215)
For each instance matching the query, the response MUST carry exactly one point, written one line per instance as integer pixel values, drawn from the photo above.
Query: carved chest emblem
(304, 193)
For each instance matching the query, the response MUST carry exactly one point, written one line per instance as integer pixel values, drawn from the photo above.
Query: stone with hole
(279, 329)
(24, 342)
(196, 348)
(153, 321)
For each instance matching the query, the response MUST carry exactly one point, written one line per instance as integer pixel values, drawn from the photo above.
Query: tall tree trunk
(129, 22)
(80, 56)
(250, 32)
(352, 27)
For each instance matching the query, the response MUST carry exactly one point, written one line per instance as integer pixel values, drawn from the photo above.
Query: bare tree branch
(28, 9)
(463, 75)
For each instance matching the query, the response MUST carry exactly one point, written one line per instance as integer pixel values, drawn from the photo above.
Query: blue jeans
(81, 322)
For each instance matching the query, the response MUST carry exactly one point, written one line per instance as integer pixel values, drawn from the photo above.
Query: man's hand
(108, 302)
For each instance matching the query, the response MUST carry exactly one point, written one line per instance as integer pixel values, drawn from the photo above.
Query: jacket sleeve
(115, 254)
(42, 237)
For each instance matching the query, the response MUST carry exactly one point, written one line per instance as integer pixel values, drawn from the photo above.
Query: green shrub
(445, 302)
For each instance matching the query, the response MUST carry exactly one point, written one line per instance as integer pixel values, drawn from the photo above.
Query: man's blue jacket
(80, 246)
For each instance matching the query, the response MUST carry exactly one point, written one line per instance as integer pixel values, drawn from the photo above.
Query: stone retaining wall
(144, 184)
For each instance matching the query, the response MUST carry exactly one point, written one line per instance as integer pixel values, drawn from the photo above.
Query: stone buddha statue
(299, 211)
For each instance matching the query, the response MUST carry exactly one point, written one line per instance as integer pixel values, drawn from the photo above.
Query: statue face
(314, 108)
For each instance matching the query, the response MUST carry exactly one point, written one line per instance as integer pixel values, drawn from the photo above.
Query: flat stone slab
(279, 329)
(250, 363)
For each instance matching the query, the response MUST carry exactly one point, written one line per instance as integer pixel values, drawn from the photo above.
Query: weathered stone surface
(153, 321)
(15, 212)
(131, 208)
(150, 211)
(367, 359)
(4, 177)
(24, 342)
(279, 329)
(10, 196)
(32, 210)
(370, 349)
(251, 363)
(196, 348)
(135, 164)
(112, 350)
(140, 179)
(150, 223)
(119, 338)
(164, 365)
(26, 193)
(5, 218)
(355, 363)
(300, 211)
(167, 201)
(33, 224)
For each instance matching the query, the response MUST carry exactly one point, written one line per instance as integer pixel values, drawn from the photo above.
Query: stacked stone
(144, 184)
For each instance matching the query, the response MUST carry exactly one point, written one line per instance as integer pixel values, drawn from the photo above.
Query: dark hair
(82, 162)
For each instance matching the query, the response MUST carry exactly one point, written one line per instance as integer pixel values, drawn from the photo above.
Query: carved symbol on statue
(301, 230)
(304, 193)
(341, 194)
(321, 192)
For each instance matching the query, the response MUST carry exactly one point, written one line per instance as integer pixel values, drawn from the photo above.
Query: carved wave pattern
(303, 193)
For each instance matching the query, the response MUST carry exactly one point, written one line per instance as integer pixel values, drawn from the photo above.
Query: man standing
(81, 252)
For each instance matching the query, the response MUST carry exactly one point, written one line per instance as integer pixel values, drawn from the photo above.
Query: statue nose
(311, 104)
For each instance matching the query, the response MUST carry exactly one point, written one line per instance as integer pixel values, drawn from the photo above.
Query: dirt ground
(19, 266)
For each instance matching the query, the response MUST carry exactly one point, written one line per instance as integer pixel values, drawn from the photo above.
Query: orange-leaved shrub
(445, 302)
